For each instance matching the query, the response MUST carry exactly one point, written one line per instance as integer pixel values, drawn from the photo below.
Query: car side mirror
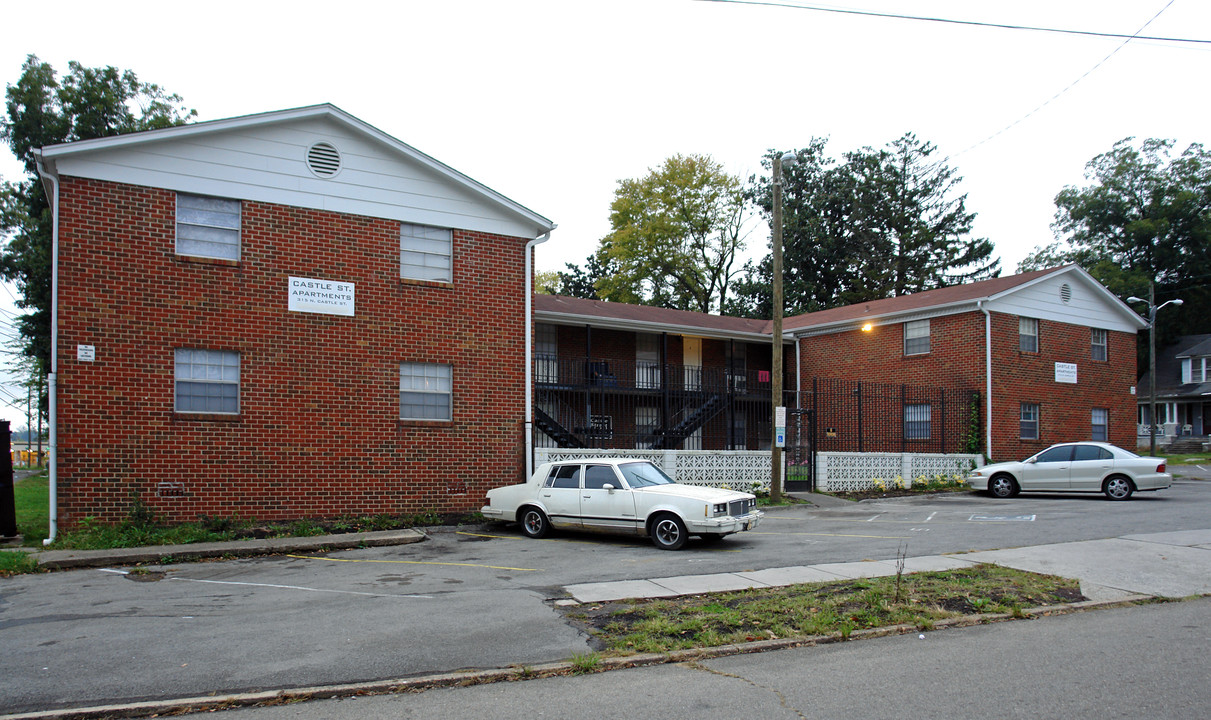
(608, 486)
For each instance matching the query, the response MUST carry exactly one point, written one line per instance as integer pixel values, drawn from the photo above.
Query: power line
(952, 21)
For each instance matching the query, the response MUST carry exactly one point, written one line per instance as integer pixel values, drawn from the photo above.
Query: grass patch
(819, 608)
(32, 501)
(17, 562)
(144, 527)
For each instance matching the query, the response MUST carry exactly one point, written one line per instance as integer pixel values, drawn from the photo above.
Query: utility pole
(775, 486)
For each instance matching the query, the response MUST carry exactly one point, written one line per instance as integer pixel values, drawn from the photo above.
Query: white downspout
(798, 372)
(987, 379)
(529, 424)
(52, 378)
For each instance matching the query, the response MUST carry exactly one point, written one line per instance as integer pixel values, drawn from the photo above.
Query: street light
(1152, 309)
(775, 486)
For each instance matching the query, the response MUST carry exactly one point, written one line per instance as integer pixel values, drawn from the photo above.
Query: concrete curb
(531, 672)
(66, 559)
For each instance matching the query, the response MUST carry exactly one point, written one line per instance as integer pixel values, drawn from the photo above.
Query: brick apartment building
(1052, 354)
(282, 315)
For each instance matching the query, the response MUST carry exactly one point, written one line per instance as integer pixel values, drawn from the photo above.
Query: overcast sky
(551, 103)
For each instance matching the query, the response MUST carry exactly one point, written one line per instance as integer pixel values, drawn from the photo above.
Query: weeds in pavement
(586, 663)
(918, 600)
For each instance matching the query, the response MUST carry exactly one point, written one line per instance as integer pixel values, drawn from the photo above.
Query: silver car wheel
(1118, 488)
(668, 532)
(1002, 486)
(533, 522)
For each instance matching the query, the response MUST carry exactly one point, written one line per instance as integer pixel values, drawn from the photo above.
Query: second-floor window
(546, 353)
(1194, 370)
(208, 227)
(426, 253)
(647, 361)
(1028, 335)
(1098, 345)
(916, 337)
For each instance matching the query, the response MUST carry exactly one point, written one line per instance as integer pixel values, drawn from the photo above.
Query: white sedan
(1083, 467)
(621, 496)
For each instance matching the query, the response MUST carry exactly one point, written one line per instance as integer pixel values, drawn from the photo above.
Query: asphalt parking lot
(465, 598)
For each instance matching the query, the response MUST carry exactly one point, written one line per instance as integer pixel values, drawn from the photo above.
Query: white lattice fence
(736, 469)
(855, 472)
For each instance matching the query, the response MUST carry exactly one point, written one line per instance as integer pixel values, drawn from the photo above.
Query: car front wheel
(1118, 487)
(668, 532)
(1003, 486)
(533, 522)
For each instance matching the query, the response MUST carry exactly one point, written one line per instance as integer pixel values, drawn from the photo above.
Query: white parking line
(935, 512)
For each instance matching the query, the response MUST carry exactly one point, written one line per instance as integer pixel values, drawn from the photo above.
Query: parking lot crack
(781, 698)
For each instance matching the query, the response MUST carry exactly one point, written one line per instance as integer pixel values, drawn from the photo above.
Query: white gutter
(528, 427)
(987, 379)
(52, 378)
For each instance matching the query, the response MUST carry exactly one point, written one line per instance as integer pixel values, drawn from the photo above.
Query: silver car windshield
(644, 474)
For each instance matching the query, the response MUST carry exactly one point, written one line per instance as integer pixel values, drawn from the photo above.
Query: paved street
(1135, 662)
(475, 598)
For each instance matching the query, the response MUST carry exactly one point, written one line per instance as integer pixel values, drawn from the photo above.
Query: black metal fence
(858, 416)
(604, 403)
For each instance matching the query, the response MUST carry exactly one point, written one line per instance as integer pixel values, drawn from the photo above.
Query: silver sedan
(1084, 467)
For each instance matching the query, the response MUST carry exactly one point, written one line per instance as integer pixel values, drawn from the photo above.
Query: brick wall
(956, 361)
(318, 433)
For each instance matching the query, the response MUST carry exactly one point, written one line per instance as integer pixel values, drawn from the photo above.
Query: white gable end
(268, 162)
(1067, 297)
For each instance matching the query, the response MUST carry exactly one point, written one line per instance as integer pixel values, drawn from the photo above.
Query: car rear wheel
(1003, 486)
(668, 532)
(533, 522)
(1118, 487)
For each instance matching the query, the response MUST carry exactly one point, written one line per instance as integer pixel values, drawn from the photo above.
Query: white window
(1194, 370)
(1098, 343)
(425, 391)
(1028, 335)
(916, 337)
(208, 227)
(1101, 418)
(916, 421)
(207, 381)
(647, 361)
(1029, 421)
(546, 353)
(425, 253)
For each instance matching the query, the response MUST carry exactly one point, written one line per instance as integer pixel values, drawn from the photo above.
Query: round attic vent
(1065, 292)
(323, 159)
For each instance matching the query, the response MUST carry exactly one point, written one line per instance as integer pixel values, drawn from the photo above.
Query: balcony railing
(644, 375)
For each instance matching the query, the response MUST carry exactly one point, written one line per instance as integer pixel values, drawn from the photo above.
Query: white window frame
(426, 385)
(426, 253)
(914, 332)
(1028, 335)
(212, 376)
(917, 421)
(1099, 420)
(1028, 419)
(208, 227)
(1099, 342)
(1194, 370)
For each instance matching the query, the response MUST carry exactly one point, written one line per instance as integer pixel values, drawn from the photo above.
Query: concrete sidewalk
(1172, 564)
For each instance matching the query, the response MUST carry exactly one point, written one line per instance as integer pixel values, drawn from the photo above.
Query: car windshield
(643, 474)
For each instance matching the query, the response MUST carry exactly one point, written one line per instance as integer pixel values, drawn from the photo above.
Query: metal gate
(800, 455)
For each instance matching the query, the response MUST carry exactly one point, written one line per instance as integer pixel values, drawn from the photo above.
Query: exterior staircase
(678, 433)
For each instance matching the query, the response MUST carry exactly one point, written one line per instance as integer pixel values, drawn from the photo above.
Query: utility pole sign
(780, 426)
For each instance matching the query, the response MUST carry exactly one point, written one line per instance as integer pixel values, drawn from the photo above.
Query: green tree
(1145, 216)
(41, 110)
(675, 235)
(883, 223)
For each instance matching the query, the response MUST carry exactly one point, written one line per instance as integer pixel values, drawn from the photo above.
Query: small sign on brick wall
(1065, 373)
(326, 297)
(86, 353)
